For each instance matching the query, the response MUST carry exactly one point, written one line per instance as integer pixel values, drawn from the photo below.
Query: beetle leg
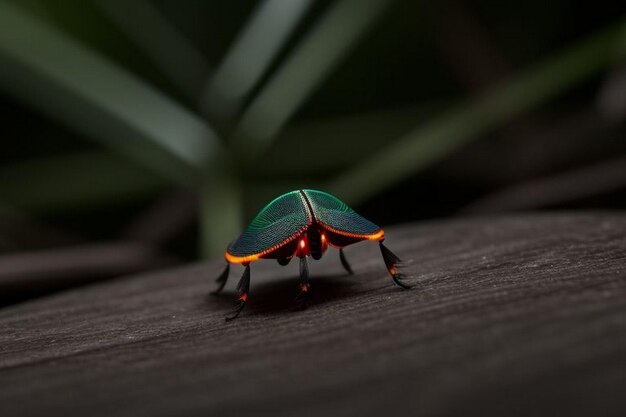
(305, 286)
(221, 280)
(344, 262)
(392, 262)
(243, 287)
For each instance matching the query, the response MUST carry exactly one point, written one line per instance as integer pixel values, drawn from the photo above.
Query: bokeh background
(146, 133)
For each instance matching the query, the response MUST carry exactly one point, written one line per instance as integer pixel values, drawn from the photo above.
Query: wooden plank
(28, 274)
(517, 315)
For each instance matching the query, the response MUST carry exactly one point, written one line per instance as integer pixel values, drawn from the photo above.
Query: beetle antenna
(243, 287)
(392, 262)
(304, 283)
(344, 262)
(221, 280)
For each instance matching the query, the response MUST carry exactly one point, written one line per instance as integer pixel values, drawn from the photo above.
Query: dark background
(139, 137)
(65, 188)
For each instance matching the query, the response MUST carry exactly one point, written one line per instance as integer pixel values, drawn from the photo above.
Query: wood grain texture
(518, 315)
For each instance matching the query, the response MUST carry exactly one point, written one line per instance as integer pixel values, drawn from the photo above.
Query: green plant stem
(220, 213)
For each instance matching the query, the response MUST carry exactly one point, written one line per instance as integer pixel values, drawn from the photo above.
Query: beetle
(302, 223)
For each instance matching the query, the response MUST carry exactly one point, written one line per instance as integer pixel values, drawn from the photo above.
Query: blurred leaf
(220, 213)
(323, 147)
(75, 181)
(313, 59)
(247, 60)
(60, 77)
(435, 140)
(175, 56)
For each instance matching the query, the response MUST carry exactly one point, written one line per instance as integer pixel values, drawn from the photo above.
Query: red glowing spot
(244, 297)
(302, 244)
(392, 270)
(304, 287)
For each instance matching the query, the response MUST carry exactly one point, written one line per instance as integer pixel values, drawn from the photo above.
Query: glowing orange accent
(304, 287)
(379, 235)
(241, 259)
(392, 270)
(251, 258)
(323, 238)
(244, 297)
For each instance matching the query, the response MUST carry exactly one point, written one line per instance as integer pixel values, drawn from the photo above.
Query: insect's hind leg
(305, 285)
(243, 287)
(344, 262)
(392, 262)
(221, 280)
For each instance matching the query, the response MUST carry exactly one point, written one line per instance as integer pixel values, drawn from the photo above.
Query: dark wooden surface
(519, 315)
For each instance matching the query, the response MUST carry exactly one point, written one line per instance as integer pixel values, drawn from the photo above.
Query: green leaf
(62, 78)
(75, 181)
(160, 40)
(311, 62)
(434, 141)
(247, 60)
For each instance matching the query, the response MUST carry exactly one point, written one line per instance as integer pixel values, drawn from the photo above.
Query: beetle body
(300, 224)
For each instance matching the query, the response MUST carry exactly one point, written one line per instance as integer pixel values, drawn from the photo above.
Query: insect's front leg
(393, 263)
(305, 285)
(243, 287)
(221, 280)
(344, 262)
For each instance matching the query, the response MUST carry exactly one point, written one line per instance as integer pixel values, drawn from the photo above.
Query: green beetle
(302, 223)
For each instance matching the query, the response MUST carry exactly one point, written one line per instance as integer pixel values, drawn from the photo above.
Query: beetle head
(316, 242)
